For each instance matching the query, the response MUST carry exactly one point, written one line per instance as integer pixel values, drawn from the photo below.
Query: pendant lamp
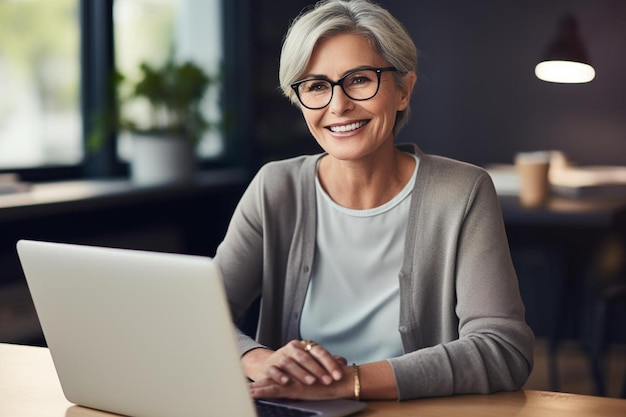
(566, 59)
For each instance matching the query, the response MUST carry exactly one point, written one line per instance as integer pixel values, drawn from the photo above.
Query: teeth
(347, 128)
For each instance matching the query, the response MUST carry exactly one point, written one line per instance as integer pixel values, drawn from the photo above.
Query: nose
(340, 102)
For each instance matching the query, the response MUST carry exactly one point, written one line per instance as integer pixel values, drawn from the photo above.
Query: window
(40, 118)
(56, 57)
(155, 30)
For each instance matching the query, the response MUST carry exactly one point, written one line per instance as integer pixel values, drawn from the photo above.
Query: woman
(394, 262)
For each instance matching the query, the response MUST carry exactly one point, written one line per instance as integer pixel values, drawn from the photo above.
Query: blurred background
(477, 98)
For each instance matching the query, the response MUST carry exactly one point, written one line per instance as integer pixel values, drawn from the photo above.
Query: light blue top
(352, 305)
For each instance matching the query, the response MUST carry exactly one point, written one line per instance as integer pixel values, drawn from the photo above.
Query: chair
(602, 314)
(607, 291)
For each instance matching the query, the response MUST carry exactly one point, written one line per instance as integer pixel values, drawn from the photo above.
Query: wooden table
(29, 388)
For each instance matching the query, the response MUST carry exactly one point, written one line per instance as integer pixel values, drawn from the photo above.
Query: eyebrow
(325, 77)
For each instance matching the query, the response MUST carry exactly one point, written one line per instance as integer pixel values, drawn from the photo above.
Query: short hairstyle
(327, 18)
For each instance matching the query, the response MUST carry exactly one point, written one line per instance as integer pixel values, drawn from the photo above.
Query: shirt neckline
(404, 193)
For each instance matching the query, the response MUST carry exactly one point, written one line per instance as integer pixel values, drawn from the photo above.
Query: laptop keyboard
(276, 410)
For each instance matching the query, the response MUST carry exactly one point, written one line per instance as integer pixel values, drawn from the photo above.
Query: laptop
(143, 334)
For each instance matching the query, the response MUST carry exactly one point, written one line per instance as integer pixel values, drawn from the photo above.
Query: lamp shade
(566, 59)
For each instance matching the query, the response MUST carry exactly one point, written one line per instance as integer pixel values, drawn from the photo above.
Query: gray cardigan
(461, 315)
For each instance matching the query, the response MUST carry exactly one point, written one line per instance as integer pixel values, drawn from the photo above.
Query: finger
(340, 359)
(278, 375)
(331, 367)
(296, 364)
(316, 360)
(267, 388)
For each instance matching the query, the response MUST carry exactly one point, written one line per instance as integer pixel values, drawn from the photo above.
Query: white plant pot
(158, 160)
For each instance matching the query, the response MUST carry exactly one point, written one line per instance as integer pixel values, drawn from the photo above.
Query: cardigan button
(402, 329)
(306, 269)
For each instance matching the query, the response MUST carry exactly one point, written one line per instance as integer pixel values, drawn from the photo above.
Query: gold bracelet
(357, 382)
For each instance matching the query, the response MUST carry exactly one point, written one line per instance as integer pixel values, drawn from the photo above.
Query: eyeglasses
(360, 85)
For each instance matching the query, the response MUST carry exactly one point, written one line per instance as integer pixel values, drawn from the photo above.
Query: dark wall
(477, 98)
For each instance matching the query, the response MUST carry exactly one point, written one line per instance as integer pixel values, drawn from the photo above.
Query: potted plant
(162, 110)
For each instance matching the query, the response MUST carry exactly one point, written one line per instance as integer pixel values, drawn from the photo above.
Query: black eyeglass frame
(295, 86)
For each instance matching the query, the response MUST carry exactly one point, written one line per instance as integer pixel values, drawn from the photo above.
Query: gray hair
(327, 18)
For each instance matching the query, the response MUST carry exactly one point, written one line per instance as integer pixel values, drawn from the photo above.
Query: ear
(405, 92)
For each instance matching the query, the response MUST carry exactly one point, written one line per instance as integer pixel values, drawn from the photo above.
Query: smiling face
(347, 129)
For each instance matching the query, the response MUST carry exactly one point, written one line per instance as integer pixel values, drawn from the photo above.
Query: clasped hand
(298, 370)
